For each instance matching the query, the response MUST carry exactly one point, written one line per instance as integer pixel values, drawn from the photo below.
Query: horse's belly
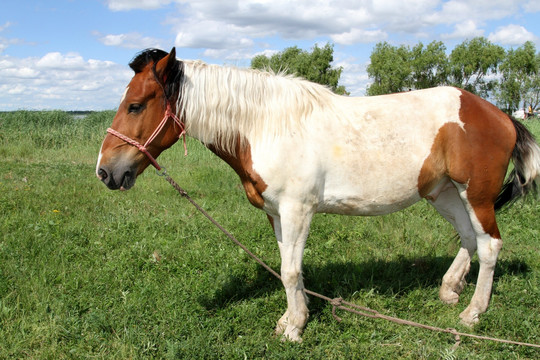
(366, 206)
(371, 188)
(368, 199)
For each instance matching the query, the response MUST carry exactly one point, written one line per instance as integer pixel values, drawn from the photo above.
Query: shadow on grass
(393, 278)
(238, 288)
(388, 278)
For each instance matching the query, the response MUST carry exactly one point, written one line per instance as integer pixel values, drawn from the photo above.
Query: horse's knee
(291, 279)
(488, 250)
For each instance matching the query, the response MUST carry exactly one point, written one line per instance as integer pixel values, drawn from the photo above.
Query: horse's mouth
(127, 182)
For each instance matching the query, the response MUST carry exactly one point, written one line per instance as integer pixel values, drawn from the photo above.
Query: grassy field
(90, 273)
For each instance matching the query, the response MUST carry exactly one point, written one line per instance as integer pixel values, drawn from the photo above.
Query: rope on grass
(339, 303)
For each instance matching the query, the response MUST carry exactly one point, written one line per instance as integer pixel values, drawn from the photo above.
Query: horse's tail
(525, 176)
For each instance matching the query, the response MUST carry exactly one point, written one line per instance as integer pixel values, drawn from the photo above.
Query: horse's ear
(165, 66)
(172, 57)
(168, 72)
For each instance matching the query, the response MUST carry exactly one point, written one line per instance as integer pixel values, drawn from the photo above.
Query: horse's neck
(216, 109)
(222, 105)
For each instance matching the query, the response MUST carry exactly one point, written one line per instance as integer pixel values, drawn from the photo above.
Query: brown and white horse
(299, 149)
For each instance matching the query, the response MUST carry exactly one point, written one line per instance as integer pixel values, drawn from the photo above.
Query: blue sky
(73, 54)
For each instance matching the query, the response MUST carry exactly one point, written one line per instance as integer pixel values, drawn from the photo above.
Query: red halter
(142, 148)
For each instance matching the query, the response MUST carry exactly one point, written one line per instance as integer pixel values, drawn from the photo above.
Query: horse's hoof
(449, 297)
(282, 324)
(449, 293)
(280, 329)
(292, 334)
(469, 318)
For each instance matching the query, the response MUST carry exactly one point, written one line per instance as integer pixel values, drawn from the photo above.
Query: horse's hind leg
(449, 204)
(471, 212)
(488, 239)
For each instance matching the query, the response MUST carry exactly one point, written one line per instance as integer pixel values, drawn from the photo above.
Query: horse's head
(142, 118)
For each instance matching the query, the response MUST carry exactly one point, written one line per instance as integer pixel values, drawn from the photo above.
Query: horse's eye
(135, 108)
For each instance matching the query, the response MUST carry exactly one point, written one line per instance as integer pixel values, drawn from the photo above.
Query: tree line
(509, 77)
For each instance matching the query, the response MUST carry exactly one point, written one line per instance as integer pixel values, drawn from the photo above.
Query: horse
(300, 149)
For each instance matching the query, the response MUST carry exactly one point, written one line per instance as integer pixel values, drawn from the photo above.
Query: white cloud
(61, 81)
(212, 34)
(355, 36)
(511, 35)
(267, 53)
(235, 25)
(532, 6)
(354, 76)
(5, 26)
(131, 40)
(232, 25)
(464, 30)
(16, 90)
(478, 11)
(208, 24)
(229, 56)
(56, 60)
(19, 73)
(123, 5)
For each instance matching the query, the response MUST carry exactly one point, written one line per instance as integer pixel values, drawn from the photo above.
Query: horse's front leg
(291, 228)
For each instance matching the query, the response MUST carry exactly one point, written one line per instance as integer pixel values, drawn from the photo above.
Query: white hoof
(282, 324)
(287, 331)
(450, 294)
(469, 317)
(292, 334)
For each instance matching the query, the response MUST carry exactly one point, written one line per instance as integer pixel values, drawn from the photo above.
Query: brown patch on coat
(492, 139)
(477, 156)
(242, 163)
(437, 165)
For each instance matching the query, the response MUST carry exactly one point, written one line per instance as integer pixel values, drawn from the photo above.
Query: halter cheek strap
(143, 148)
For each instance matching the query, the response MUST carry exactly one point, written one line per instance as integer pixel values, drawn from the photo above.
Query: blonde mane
(221, 105)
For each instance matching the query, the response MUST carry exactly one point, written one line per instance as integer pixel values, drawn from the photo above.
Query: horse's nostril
(102, 174)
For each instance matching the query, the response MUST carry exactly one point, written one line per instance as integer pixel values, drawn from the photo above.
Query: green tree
(395, 69)
(429, 65)
(532, 97)
(519, 82)
(472, 61)
(389, 69)
(313, 66)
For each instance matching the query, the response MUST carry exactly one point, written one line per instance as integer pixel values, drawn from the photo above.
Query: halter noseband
(142, 148)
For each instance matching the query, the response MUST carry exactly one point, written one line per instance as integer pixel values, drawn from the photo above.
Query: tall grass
(90, 273)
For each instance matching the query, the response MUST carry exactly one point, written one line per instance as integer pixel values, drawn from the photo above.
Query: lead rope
(339, 303)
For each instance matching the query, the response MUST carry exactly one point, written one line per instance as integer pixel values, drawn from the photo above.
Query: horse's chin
(126, 186)
(127, 181)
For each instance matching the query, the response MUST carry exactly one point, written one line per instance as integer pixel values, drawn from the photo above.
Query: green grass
(78, 276)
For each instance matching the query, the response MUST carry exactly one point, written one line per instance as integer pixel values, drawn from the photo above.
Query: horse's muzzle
(122, 178)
